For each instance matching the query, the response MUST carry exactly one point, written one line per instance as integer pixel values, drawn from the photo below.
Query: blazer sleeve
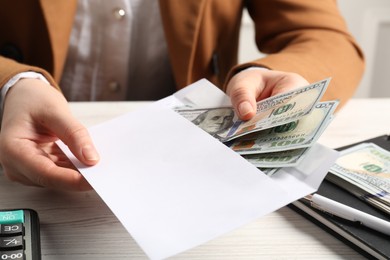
(309, 38)
(9, 68)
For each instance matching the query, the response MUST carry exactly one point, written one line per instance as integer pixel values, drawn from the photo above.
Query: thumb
(77, 138)
(245, 106)
(243, 90)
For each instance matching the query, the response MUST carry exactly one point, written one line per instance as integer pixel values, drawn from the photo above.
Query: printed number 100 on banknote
(280, 109)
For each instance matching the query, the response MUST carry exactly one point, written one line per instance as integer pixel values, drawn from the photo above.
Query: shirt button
(114, 86)
(119, 13)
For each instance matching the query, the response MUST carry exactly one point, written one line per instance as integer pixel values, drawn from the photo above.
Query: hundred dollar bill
(367, 167)
(280, 109)
(215, 121)
(277, 159)
(277, 110)
(354, 189)
(300, 133)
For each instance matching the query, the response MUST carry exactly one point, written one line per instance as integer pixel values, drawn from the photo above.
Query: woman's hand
(35, 115)
(254, 84)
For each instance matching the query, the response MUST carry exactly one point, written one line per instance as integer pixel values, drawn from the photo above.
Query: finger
(63, 178)
(35, 168)
(54, 153)
(51, 175)
(74, 135)
(15, 176)
(243, 90)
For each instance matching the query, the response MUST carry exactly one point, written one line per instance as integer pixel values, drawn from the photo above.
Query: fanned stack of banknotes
(284, 129)
(279, 135)
(364, 170)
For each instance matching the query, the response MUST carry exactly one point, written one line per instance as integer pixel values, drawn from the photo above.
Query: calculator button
(12, 216)
(15, 242)
(11, 255)
(11, 229)
(19, 235)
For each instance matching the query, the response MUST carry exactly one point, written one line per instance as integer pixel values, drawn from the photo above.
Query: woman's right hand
(35, 115)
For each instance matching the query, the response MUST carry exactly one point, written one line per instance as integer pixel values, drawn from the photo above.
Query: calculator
(19, 235)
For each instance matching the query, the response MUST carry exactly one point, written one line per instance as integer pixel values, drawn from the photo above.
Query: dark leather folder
(366, 241)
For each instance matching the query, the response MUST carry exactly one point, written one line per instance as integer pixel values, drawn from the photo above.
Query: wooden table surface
(81, 226)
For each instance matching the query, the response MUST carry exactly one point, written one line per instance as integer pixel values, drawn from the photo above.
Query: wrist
(15, 79)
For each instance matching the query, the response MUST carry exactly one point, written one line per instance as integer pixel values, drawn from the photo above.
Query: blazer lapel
(59, 16)
(181, 24)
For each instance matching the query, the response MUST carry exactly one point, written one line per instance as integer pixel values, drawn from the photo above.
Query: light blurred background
(369, 22)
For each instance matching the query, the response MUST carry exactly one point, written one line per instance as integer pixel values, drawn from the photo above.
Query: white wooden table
(80, 225)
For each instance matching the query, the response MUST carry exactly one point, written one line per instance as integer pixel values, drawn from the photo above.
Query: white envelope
(173, 186)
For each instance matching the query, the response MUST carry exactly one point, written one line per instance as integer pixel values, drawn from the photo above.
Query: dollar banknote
(215, 121)
(279, 110)
(359, 192)
(288, 158)
(282, 131)
(303, 132)
(276, 110)
(364, 170)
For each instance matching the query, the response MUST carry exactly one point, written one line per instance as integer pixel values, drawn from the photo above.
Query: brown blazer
(303, 36)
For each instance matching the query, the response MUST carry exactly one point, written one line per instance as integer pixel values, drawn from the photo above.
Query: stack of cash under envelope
(364, 170)
(279, 135)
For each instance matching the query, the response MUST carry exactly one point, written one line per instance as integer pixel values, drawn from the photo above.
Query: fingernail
(244, 108)
(90, 153)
